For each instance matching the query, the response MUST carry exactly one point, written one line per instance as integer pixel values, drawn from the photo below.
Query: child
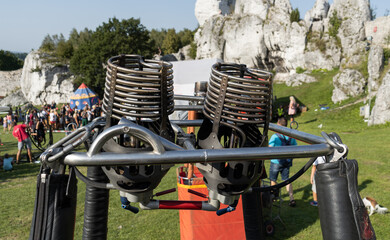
(7, 163)
(5, 124)
(319, 160)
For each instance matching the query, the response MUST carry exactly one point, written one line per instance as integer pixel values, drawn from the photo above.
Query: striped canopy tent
(83, 96)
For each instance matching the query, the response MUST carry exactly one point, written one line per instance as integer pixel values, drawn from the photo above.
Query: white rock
(14, 99)
(348, 83)
(235, 38)
(293, 79)
(318, 12)
(381, 111)
(374, 66)
(9, 81)
(379, 30)
(254, 7)
(42, 82)
(205, 9)
(353, 15)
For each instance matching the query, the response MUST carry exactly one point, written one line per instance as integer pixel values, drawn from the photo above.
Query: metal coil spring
(138, 88)
(243, 95)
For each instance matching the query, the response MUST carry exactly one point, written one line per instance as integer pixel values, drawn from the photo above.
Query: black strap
(282, 138)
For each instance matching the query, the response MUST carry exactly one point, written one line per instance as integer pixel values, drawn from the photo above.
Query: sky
(24, 23)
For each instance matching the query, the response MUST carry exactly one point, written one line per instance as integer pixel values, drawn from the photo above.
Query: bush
(300, 70)
(386, 55)
(294, 15)
(193, 50)
(9, 61)
(335, 23)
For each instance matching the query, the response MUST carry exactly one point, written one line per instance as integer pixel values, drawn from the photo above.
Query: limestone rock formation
(374, 66)
(353, 14)
(378, 31)
(9, 81)
(381, 111)
(205, 9)
(348, 83)
(318, 12)
(43, 82)
(221, 38)
(15, 98)
(293, 79)
(254, 7)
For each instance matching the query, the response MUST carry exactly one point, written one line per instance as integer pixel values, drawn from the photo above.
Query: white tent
(185, 75)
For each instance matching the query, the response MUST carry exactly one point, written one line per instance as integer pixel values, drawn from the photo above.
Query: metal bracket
(337, 155)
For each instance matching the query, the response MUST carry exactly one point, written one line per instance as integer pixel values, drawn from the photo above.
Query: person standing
(292, 108)
(9, 121)
(20, 133)
(282, 166)
(319, 160)
(84, 116)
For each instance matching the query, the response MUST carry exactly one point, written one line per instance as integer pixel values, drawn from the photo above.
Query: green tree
(47, 44)
(110, 39)
(334, 25)
(171, 43)
(186, 37)
(9, 61)
(64, 50)
(158, 36)
(294, 15)
(76, 38)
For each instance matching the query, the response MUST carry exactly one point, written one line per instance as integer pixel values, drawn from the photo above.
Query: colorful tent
(83, 96)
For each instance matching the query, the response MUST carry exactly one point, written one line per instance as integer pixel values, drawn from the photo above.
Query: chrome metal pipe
(188, 107)
(198, 156)
(188, 98)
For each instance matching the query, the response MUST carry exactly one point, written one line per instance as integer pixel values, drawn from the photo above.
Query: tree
(294, 15)
(76, 38)
(9, 61)
(334, 25)
(186, 37)
(47, 44)
(110, 39)
(158, 37)
(171, 43)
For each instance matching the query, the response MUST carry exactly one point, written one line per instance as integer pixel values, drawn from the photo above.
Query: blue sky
(24, 23)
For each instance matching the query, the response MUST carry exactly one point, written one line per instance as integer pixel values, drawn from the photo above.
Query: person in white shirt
(319, 160)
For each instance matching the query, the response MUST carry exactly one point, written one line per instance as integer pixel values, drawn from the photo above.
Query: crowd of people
(36, 122)
(58, 119)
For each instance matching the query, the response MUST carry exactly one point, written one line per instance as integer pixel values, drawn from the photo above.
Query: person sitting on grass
(20, 133)
(7, 163)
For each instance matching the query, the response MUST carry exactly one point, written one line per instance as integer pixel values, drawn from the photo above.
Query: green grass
(368, 145)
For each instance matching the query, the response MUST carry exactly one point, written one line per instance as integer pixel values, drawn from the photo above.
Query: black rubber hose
(96, 207)
(288, 181)
(253, 216)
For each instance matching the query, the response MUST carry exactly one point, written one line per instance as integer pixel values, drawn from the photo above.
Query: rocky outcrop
(375, 67)
(205, 9)
(348, 83)
(381, 111)
(42, 82)
(277, 43)
(353, 14)
(293, 79)
(252, 7)
(15, 98)
(9, 81)
(228, 32)
(319, 12)
(378, 30)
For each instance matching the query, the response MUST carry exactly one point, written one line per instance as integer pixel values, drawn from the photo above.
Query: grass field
(368, 145)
